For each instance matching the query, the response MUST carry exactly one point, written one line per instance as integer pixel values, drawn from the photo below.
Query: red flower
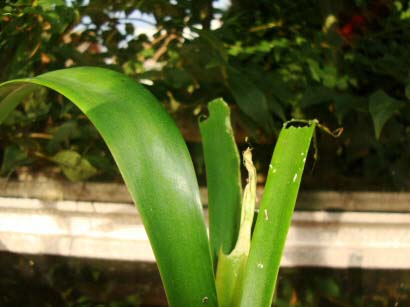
(346, 31)
(355, 23)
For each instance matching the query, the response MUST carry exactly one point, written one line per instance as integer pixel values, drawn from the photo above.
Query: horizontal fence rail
(48, 223)
(117, 193)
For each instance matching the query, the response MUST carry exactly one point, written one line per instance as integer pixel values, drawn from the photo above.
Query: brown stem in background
(164, 46)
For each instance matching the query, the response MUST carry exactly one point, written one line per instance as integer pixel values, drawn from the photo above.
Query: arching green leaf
(155, 164)
(223, 178)
(275, 214)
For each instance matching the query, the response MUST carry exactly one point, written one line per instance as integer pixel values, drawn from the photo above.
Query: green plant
(156, 167)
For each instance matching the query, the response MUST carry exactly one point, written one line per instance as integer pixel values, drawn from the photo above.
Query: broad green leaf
(275, 214)
(223, 178)
(281, 90)
(276, 107)
(274, 89)
(229, 274)
(155, 164)
(316, 95)
(74, 167)
(315, 70)
(330, 77)
(250, 99)
(382, 107)
(11, 95)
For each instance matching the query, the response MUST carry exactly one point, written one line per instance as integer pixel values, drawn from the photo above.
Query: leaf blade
(74, 166)
(222, 164)
(250, 99)
(112, 101)
(382, 107)
(276, 209)
(229, 274)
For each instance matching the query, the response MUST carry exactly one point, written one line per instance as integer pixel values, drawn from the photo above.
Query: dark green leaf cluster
(345, 63)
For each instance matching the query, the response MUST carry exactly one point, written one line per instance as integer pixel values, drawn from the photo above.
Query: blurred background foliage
(346, 63)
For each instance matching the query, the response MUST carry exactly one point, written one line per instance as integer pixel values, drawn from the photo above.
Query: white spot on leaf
(295, 177)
